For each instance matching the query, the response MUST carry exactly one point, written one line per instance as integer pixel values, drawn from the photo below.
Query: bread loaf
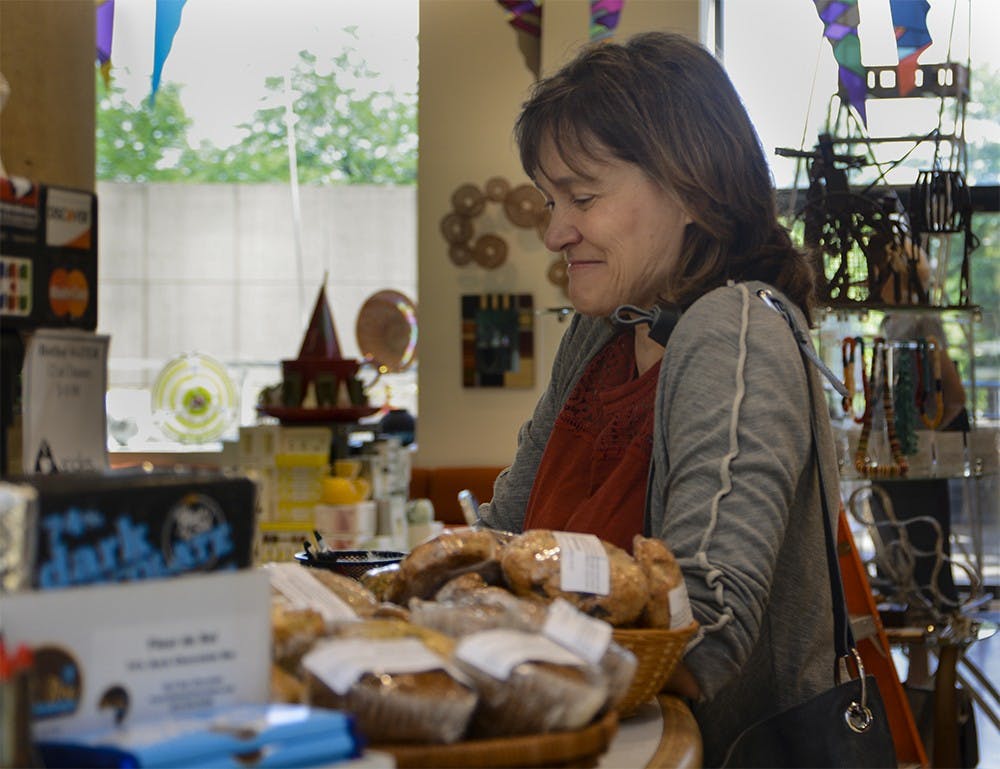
(392, 704)
(350, 591)
(531, 568)
(663, 575)
(453, 552)
(293, 632)
(533, 696)
(383, 582)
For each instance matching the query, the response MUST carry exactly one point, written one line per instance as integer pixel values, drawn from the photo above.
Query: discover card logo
(68, 220)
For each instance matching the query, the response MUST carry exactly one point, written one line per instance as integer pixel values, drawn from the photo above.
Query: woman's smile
(619, 230)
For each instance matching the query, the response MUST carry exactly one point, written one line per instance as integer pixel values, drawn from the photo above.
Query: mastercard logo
(69, 293)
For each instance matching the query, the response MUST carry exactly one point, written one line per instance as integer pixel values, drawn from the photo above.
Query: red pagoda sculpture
(320, 378)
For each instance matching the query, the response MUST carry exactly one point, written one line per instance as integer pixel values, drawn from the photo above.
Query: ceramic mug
(338, 490)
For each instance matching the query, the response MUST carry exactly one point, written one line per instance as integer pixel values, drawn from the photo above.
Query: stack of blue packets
(242, 736)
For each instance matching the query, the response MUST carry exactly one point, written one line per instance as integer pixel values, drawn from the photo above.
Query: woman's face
(618, 230)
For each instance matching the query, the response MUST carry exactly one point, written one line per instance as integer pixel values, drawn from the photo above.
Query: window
(789, 88)
(211, 241)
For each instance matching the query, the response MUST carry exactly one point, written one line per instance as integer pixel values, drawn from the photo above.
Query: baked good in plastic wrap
(396, 681)
(668, 605)
(453, 552)
(384, 582)
(478, 609)
(336, 597)
(350, 591)
(294, 630)
(285, 687)
(387, 610)
(490, 607)
(533, 566)
(460, 586)
(528, 684)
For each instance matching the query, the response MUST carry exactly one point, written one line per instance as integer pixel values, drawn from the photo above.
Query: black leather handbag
(845, 726)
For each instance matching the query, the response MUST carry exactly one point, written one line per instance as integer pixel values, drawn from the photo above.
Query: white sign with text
(64, 414)
(108, 655)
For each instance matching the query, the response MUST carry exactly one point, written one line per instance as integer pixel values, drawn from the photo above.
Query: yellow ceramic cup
(344, 491)
(347, 468)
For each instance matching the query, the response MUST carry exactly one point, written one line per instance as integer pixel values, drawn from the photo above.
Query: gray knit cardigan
(733, 491)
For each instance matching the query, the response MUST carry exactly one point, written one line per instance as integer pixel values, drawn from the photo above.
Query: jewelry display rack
(866, 241)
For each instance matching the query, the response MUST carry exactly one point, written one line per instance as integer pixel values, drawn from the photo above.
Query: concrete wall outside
(218, 262)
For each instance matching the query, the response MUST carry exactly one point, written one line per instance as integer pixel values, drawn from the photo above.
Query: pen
(470, 507)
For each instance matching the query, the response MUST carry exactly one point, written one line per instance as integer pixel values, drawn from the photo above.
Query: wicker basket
(657, 653)
(580, 747)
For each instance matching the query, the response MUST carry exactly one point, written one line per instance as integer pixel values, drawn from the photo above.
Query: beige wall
(472, 81)
(47, 53)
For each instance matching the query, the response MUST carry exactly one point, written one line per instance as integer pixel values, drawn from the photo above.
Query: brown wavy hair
(662, 102)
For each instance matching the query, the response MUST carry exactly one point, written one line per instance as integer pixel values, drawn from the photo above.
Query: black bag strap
(843, 637)
(662, 320)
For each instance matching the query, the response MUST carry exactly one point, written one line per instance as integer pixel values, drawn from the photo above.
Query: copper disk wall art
(523, 206)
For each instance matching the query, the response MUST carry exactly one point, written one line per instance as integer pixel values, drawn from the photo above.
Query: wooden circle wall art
(523, 206)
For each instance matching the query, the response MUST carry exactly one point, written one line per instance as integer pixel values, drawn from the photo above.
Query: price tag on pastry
(499, 651)
(303, 590)
(580, 633)
(681, 614)
(583, 563)
(340, 662)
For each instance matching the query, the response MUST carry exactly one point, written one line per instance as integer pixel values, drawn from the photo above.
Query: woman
(660, 197)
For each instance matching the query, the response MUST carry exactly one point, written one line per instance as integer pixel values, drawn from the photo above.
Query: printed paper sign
(303, 590)
(65, 382)
(680, 607)
(583, 566)
(582, 634)
(340, 662)
(109, 655)
(498, 651)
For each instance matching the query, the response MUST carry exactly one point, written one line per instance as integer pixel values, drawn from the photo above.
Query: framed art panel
(498, 340)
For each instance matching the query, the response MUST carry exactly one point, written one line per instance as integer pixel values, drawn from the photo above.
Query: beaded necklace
(933, 348)
(862, 462)
(848, 350)
(903, 401)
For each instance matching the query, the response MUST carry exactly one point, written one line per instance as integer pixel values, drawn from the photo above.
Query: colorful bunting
(525, 15)
(604, 16)
(909, 21)
(105, 31)
(841, 18)
(168, 19)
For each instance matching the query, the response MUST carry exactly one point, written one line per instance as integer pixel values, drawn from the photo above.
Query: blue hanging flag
(168, 19)
(909, 22)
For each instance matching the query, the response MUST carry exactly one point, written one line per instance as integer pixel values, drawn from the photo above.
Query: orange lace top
(592, 477)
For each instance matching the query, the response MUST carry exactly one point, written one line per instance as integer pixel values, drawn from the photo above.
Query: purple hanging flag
(525, 15)
(105, 29)
(840, 19)
(604, 16)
